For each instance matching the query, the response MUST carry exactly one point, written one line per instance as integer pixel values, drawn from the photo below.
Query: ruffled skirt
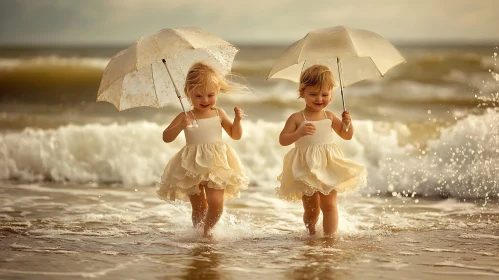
(318, 168)
(215, 164)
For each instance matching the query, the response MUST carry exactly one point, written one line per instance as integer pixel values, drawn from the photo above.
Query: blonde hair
(316, 74)
(200, 75)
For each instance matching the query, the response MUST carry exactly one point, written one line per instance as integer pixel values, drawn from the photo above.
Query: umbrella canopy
(152, 71)
(362, 54)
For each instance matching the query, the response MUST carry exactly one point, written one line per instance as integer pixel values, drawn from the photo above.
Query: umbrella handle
(346, 126)
(175, 86)
(340, 70)
(178, 95)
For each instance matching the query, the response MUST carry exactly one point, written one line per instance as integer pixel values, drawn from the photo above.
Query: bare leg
(329, 213)
(312, 211)
(199, 206)
(215, 200)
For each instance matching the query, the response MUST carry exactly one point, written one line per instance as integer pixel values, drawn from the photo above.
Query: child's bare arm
(339, 126)
(234, 130)
(290, 133)
(173, 130)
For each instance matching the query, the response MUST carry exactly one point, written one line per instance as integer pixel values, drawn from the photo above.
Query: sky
(250, 21)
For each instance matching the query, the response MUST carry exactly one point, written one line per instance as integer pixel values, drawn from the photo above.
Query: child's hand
(345, 118)
(307, 129)
(186, 120)
(239, 114)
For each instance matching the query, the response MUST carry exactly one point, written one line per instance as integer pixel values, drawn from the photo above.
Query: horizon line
(400, 42)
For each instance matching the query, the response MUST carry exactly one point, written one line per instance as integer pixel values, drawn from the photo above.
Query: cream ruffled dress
(316, 164)
(204, 159)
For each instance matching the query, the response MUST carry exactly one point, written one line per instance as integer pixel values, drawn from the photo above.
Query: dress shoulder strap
(303, 114)
(218, 115)
(325, 115)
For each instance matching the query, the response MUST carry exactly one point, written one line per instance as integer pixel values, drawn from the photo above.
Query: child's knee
(312, 211)
(214, 196)
(216, 203)
(328, 206)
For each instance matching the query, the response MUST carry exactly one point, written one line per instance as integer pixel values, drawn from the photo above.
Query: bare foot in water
(311, 230)
(208, 234)
(330, 240)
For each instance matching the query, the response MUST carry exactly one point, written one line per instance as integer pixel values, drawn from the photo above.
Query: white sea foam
(459, 265)
(461, 162)
(53, 60)
(478, 236)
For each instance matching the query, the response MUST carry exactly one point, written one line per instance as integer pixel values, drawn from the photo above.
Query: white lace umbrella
(152, 71)
(351, 54)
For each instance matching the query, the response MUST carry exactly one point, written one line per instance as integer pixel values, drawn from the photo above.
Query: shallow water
(76, 177)
(51, 231)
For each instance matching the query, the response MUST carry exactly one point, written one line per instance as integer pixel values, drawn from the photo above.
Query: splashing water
(463, 162)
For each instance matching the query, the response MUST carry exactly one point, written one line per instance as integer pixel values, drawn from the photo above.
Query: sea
(77, 178)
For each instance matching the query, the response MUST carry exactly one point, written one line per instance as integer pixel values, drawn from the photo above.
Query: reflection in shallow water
(322, 259)
(205, 263)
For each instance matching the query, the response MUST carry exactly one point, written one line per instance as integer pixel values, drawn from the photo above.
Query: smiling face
(316, 84)
(204, 98)
(202, 85)
(316, 97)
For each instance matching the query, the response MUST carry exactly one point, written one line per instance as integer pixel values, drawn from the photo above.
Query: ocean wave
(461, 162)
(53, 70)
(50, 74)
(53, 60)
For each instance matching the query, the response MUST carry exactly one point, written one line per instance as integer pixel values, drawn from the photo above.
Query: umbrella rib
(183, 37)
(297, 60)
(154, 85)
(105, 70)
(403, 61)
(302, 47)
(353, 44)
(303, 66)
(382, 75)
(379, 71)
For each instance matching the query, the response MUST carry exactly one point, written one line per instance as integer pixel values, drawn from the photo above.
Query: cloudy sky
(244, 21)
